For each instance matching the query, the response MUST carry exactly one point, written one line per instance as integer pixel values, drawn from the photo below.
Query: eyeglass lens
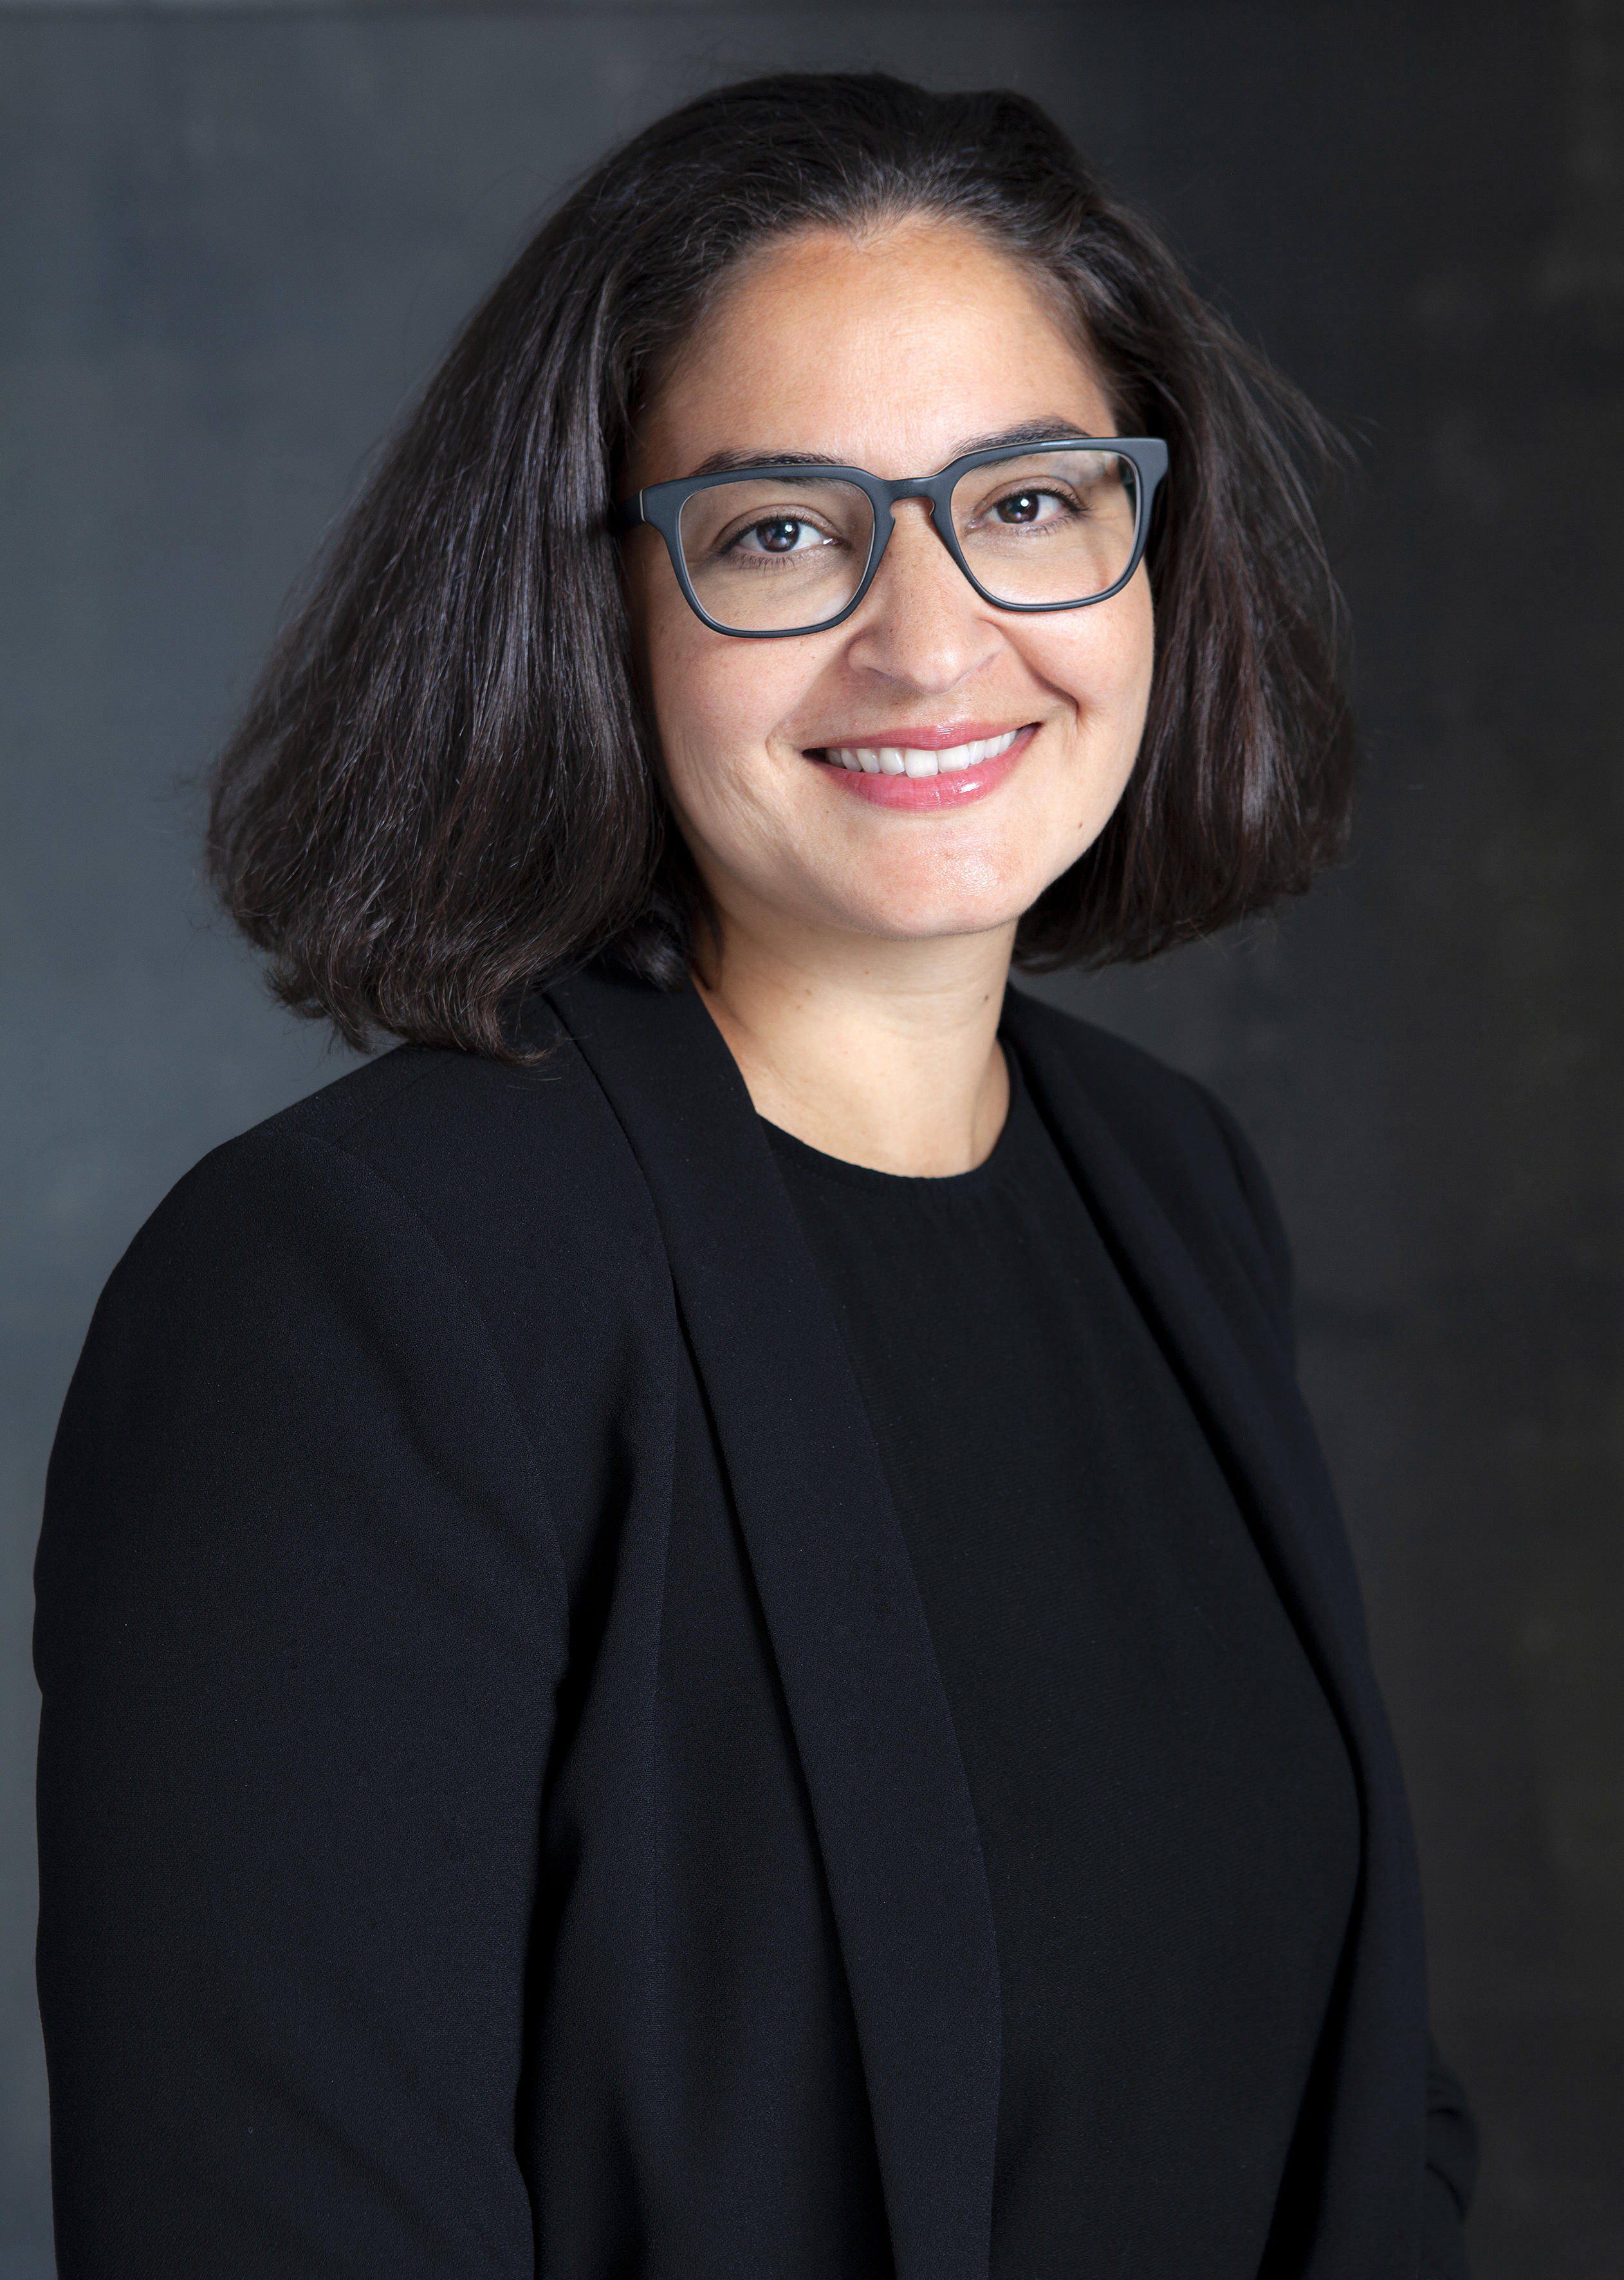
(765, 555)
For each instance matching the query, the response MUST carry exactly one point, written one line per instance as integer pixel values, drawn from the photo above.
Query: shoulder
(437, 1124)
(1185, 1145)
(462, 1143)
(422, 1183)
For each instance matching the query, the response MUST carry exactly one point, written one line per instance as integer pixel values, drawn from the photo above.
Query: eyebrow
(1029, 431)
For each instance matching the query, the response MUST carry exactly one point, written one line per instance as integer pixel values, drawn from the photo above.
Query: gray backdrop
(230, 238)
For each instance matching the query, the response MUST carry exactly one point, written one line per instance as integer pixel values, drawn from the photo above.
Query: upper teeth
(897, 760)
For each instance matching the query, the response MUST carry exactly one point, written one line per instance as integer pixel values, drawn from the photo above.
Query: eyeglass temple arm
(627, 514)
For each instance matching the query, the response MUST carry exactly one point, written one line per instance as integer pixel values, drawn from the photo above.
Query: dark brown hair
(443, 790)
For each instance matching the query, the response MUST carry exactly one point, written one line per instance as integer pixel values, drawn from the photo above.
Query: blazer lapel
(1213, 1328)
(887, 1783)
(1215, 1336)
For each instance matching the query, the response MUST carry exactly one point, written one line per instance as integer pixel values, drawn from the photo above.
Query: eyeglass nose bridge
(912, 486)
(934, 490)
(928, 488)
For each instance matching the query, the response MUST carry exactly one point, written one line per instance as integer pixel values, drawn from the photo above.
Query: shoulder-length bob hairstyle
(445, 788)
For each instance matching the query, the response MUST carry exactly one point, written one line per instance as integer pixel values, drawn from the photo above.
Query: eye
(781, 534)
(1028, 506)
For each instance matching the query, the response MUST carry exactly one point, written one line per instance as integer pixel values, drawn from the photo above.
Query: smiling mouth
(908, 760)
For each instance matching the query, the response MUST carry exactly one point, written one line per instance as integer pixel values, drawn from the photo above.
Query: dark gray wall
(228, 242)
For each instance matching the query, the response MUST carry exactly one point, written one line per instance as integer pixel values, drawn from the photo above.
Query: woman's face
(895, 353)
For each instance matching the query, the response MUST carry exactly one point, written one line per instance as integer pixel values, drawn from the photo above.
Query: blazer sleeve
(1451, 2173)
(1451, 2132)
(301, 1619)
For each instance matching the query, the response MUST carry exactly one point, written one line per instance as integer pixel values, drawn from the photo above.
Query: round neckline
(813, 1160)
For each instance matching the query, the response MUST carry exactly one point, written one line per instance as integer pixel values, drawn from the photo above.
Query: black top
(1169, 1819)
(500, 1812)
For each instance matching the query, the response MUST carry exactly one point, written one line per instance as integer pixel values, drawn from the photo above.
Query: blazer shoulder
(518, 1183)
(423, 1104)
(1186, 1144)
(476, 1148)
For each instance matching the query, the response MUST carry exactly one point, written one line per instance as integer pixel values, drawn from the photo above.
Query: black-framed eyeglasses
(791, 547)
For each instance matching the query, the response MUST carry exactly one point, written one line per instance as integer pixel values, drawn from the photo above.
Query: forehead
(887, 351)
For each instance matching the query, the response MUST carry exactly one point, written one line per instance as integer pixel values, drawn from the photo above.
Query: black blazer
(499, 1811)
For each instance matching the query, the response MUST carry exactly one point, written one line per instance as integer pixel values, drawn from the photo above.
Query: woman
(693, 1627)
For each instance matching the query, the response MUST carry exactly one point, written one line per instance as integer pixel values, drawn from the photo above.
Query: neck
(880, 1052)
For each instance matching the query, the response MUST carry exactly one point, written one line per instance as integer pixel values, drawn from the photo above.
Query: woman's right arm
(301, 1621)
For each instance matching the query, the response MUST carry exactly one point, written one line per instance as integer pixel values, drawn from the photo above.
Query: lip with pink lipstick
(923, 768)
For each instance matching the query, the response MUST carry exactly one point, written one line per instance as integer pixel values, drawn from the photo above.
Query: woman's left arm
(1451, 2132)
(1451, 2173)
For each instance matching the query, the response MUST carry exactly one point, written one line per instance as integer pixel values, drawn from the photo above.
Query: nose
(922, 622)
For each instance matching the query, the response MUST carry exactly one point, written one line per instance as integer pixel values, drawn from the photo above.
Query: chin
(923, 910)
(907, 919)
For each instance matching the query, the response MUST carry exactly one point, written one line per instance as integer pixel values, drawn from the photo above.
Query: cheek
(716, 704)
(1102, 663)
(705, 716)
(1108, 673)
(691, 682)
(1140, 643)
(1114, 679)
